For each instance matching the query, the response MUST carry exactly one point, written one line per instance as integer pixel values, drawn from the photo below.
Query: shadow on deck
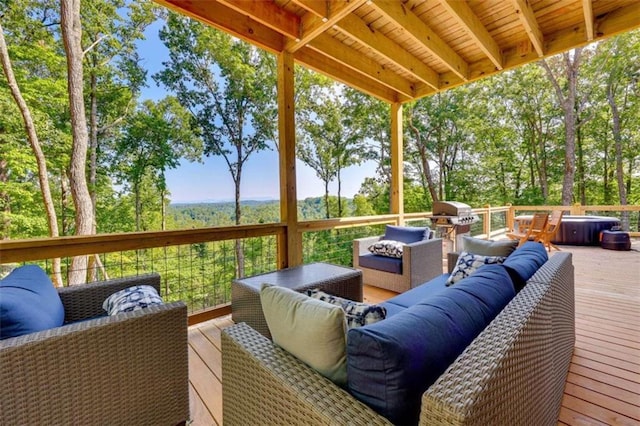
(603, 386)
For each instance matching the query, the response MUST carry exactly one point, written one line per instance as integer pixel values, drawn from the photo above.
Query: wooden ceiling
(398, 50)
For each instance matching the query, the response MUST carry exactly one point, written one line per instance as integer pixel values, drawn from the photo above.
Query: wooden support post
(397, 160)
(289, 245)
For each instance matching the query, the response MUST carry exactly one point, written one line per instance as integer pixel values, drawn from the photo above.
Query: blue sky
(211, 180)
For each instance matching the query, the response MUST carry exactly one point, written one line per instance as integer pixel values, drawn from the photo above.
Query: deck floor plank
(603, 385)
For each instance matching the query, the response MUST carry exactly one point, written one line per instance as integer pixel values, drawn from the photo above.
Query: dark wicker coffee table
(337, 280)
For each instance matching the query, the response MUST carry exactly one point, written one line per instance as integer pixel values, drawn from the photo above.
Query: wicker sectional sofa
(513, 372)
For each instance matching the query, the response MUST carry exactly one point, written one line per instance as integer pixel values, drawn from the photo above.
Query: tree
(329, 141)
(32, 136)
(621, 87)
(154, 140)
(229, 88)
(72, 37)
(567, 96)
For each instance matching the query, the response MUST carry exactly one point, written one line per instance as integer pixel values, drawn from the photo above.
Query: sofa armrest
(423, 260)
(264, 384)
(84, 301)
(361, 245)
(130, 368)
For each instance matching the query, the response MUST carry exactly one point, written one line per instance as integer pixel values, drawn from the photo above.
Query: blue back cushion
(419, 293)
(524, 262)
(391, 363)
(406, 234)
(28, 302)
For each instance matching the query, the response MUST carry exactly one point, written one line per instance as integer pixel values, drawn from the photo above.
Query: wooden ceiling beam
(325, 65)
(312, 26)
(357, 62)
(475, 29)
(319, 8)
(528, 20)
(358, 30)
(418, 30)
(587, 8)
(622, 20)
(228, 20)
(268, 14)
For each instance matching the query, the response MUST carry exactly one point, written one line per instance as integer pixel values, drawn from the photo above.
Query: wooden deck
(603, 386)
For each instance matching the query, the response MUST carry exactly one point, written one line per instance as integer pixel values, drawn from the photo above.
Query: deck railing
(198, 265)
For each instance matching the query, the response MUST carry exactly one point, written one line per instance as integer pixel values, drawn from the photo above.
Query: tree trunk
(72, 37)
(422, 150)
(239, 251)
(93, 163)
(326, 199)
(30, 128)
(568, 102)
(617, 139)
(580, 169)
(5, 202)
(339, 194)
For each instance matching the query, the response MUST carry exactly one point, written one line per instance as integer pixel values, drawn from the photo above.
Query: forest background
(563, 130)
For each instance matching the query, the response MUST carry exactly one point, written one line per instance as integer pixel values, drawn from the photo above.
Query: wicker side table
(245, 292)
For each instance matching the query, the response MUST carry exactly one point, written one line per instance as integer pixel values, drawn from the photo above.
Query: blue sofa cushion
(391, 363)
(28, 302)
(406, 234)
(417, 294)
(381, 263)
(524, 262)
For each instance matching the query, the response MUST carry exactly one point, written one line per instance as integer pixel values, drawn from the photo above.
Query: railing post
(576, 210)
(511, 213)
(486, 223)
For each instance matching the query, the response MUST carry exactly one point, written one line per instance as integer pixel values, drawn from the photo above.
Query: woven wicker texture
(263, 384)
(512, 373)
(126, 369)
(337, 280)
(421, 262)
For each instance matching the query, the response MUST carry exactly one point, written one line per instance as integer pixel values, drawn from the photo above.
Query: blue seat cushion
(391, 363)
(381, 263)
(28, 302)
(419, 293)
(524, 262)
(406, 234)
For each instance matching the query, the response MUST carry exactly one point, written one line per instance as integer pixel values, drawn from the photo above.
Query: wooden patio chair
(533, 232)
(551, 230)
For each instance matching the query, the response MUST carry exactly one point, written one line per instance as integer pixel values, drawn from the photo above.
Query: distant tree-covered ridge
(194, 215)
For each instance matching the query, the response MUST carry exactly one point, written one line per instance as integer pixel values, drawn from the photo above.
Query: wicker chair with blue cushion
(403, 258)
(70, 363)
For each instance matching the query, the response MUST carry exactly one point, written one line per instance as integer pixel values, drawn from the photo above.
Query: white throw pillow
(468, 263)
(387, 248)
(131, 299)
(312, 330)
(357, 313)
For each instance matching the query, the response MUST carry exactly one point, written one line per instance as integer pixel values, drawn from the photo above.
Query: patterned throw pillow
(387, 248)
(131, 299)
(468, 263)
(357, 314)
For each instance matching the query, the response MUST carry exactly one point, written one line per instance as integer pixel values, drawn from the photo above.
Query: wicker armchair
(421, 261)
(126, 369)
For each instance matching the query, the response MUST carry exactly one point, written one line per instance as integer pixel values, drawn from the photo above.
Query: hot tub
(581, 230)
